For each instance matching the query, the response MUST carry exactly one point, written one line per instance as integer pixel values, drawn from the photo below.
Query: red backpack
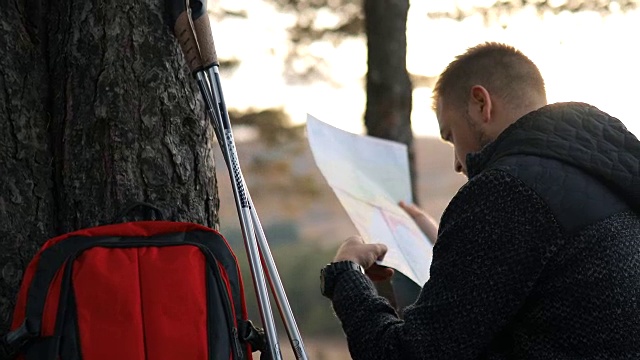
(137, 290)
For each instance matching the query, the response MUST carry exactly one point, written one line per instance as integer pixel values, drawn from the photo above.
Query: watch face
(325, 286)
(329, 273)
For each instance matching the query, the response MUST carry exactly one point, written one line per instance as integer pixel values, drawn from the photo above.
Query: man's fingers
(379, 250)
(383, 252)
(411, 209)
(354, 240)
(355, 249)
(408, 206)
(379, 273)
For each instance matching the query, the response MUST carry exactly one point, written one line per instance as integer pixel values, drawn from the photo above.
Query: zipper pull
(13, 342)
(236, 343)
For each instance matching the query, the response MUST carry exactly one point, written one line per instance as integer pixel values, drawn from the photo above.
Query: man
(537, 256)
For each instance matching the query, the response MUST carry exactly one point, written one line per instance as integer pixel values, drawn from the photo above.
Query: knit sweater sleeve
(494, 240)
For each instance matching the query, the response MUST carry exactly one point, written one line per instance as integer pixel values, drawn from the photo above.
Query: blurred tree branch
(273, 125)
(507, 7)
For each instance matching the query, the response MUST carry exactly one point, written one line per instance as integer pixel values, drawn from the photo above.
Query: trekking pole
(278, 290)
(208, 78)
(184, 31)
(210, 63)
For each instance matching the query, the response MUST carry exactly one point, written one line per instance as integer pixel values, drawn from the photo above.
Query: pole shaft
(244, 212)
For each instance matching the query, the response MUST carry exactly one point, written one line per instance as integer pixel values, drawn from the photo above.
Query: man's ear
(480, 103)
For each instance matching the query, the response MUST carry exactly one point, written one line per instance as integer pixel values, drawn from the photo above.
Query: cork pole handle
(202, 28)
(183, 30)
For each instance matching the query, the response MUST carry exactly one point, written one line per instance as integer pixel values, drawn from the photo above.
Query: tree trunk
(388, 112)
(97, 110)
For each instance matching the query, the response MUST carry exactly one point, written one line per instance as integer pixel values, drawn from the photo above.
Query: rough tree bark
(389, 90)
(26, 199)
(97, 110)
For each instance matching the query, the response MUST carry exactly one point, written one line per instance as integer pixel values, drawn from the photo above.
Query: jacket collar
(575, 133)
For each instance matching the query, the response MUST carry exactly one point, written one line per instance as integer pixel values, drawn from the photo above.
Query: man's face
(462, 131)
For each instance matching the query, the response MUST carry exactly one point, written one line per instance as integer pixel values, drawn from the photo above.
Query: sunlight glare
(582, 56)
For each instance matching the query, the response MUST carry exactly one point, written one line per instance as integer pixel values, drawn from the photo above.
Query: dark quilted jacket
(538, 255)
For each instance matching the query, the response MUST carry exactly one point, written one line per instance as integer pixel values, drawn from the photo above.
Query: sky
(582, 56)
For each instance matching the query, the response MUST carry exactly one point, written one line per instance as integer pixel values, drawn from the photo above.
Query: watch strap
(329, 275)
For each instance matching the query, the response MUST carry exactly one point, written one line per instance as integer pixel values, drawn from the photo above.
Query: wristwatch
(329, 275)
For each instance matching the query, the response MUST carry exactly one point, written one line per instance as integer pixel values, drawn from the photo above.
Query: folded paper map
(370, 176)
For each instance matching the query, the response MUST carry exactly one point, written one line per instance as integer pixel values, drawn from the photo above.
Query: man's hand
(354, 249)
(425, 222)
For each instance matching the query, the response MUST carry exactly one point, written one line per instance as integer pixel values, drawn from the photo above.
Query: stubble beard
(480, 136)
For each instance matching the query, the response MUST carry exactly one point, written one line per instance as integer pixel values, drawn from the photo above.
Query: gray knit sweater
(538, 255)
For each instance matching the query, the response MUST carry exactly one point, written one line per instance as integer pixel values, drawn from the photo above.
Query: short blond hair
(502, 69)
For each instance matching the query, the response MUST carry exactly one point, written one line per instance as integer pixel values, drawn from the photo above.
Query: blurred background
(282, 59)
